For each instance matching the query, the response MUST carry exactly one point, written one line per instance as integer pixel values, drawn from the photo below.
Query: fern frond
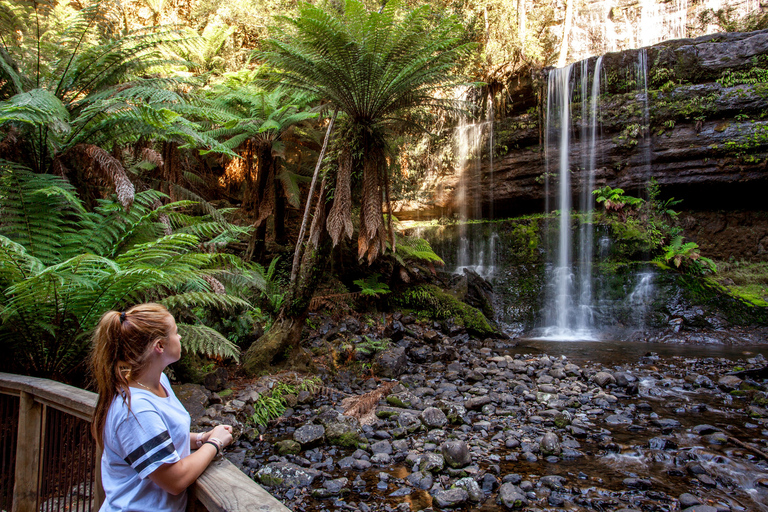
(200, 339)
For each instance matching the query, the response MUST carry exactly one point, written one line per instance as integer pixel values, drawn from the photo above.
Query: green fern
(54, 288)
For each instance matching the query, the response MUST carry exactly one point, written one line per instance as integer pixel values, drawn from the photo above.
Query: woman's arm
(175, 478)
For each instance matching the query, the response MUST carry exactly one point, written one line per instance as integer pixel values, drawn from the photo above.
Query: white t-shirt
(153, 433)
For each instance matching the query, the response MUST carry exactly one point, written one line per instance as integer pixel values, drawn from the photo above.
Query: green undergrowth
(746, 280)
(734, 306)
(429, 301)
(273, 404)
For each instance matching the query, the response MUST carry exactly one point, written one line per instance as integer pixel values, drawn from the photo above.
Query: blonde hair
(122, 344)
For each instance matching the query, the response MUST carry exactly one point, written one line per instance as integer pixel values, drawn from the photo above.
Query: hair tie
(122, 317)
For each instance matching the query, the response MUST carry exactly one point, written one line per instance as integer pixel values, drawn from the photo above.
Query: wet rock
(216, 380)
(421, 480)
(624, 379)
(701, 508)
(474, 493)
(287, 475)
(390, 363)
(288, 447)
(704, 429)
(637, 483)
(431, 462)
(409, 421)
(433, 417)
(550, 444)
(666, 423)
(603, 379)
(309, 435)
(707, 480)
(661, 443)
(476, 403)
(382, 447)
(450, 498)
(456, 453)
(511, 497)
(554, 482)
(341, 430)
(729, 382)
(688, 500)
(716, 438)
(404, 400)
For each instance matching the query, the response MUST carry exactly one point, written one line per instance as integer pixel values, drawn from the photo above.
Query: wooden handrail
(221, 488)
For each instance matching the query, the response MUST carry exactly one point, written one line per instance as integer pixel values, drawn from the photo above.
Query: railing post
(28, 442)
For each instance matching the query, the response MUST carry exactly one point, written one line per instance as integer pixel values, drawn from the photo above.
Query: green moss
(225, 393)
(346, 440)
(439, 305)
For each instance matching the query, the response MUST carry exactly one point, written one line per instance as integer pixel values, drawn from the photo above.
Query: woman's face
(172, 344)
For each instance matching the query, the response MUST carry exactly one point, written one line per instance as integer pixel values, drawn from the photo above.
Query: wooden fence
(50, 462)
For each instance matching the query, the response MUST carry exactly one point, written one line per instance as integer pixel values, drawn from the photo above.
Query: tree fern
(53, 289)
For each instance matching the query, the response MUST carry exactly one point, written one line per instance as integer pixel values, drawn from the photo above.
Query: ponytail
(122, 344)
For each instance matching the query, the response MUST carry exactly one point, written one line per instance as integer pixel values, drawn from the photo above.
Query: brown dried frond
(340, 216)
(363, 407)
(101, 164)
(215, 284)
(152, 156)
(371, 223)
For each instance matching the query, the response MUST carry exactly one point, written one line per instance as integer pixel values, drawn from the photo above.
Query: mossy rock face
(439, 305)
(288, 447)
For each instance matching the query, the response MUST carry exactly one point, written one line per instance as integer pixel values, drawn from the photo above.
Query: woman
(147, 460)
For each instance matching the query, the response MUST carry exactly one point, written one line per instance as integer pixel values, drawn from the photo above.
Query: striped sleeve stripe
(161, 438)
(156, 457)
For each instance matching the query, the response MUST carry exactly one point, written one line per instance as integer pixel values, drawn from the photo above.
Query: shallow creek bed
(478, 426)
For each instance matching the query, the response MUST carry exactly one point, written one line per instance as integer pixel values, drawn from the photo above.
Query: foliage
(614, 200)
(377, 68)
(413, 255)
(61, 267)
(429, 300)
(686, 256)
(272, 404)
(73, 86)
(371, 287)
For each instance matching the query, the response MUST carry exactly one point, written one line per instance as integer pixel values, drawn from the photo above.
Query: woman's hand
(221, 432)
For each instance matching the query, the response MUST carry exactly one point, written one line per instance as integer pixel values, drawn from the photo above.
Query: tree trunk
(285, 334)
(521, 24)
(265, 166)
(566, 33)
(280, 217)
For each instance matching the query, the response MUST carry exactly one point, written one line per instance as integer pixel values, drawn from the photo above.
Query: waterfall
(569, 308)
(474, 252)
(640, 299)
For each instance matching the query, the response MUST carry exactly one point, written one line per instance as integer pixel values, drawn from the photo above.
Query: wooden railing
(50, 462)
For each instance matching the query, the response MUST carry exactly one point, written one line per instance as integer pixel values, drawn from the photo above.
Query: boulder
(390, 363)
(456, 453)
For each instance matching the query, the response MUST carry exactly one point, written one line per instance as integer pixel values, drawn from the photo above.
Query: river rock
(390, 363)
(285, 474)
(550, 444)
(288, 447)
(511, 497)
(433, 417)
(382, 447)
(477, 402)
(309, 435)
(216, 380)
(409, 421)
(729, 382)
(431, 462)
(603, 379)
(340, 430)
(701, 508)
(688, 500)
(474, 493)
(450, 498)
(456, 453)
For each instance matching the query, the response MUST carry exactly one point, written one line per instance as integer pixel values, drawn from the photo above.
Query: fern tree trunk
(283, 338)
(265, 178)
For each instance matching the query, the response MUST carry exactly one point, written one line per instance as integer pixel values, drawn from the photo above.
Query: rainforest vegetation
(223, 161)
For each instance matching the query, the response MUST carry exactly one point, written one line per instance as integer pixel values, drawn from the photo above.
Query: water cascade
(476, 253)
(569, 304)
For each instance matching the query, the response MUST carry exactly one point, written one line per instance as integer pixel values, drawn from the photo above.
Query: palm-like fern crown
(374, 66)
(244, 112)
